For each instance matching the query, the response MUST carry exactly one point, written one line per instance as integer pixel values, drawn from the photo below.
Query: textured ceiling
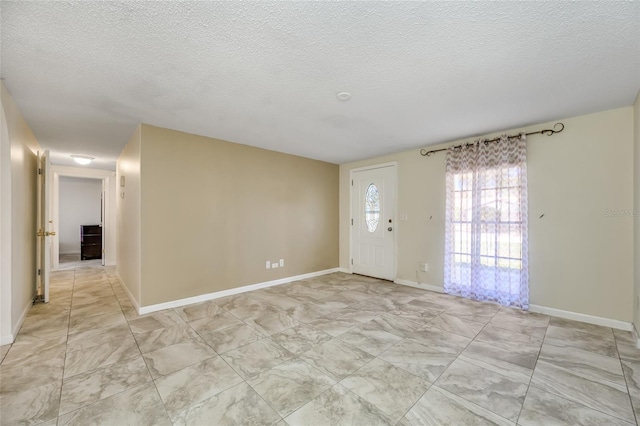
(266, 73)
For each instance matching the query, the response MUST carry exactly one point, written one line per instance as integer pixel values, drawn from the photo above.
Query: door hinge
(39, 171)
(351, 182)
(351, 222)
(39, 272)
(352, 261)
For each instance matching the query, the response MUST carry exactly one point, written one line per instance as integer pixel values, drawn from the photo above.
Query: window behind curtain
(486, 253)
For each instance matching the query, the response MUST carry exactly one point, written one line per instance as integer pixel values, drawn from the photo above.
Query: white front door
(373, 200)
(45, 226)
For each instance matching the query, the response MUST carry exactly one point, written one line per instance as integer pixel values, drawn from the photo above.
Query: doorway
(373, 224)
(91, 193)
(80, 207)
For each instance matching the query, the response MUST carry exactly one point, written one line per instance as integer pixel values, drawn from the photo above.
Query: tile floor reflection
(333, 350)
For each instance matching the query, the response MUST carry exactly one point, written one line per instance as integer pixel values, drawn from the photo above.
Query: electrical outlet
(268, 265)
(281, 263)
(274, 265)
(424, 266)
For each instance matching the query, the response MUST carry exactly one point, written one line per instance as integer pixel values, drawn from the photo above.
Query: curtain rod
(547, 132)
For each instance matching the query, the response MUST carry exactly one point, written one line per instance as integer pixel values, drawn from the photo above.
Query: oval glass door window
(372, 208)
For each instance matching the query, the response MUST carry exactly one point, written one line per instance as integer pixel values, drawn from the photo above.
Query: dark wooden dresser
(90, 242)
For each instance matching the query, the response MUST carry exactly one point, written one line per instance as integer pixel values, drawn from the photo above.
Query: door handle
(46, 234)
(389, 229)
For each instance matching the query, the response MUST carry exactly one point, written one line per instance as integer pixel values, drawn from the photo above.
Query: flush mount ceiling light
(82, 159)
(343, 96)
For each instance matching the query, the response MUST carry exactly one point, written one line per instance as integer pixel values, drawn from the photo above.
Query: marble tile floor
(333, 350)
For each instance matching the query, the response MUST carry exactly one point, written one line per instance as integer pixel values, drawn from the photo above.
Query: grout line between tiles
(66, 343)
(457, 357)
(261, 397)
(571, 400)
(155, 386)
(624, 375)
(234, 370)
(533, 371)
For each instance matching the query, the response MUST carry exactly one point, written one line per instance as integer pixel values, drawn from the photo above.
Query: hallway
(86, 314)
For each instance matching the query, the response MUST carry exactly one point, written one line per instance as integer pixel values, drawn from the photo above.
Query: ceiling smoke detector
(82, 159)
(343, 96)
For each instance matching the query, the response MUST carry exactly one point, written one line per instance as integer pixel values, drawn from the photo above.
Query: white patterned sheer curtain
(486, 222)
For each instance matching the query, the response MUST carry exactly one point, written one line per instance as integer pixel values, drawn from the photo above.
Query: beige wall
(128, 216)
(213, 212)
(5, 229)
(636, 209)
(580, 259)
(21, 206)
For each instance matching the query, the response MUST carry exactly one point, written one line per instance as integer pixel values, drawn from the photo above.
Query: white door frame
(108, 178)
(44, 245)
(393, 164)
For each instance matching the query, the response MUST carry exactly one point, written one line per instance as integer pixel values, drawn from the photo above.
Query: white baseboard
(606, 322)
(419, 285)
(133, 300)
(230, 292)
(9, 339)
(636, 338)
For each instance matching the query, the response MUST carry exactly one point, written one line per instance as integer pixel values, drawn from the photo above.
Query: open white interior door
(103, 216)
(45, 232)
